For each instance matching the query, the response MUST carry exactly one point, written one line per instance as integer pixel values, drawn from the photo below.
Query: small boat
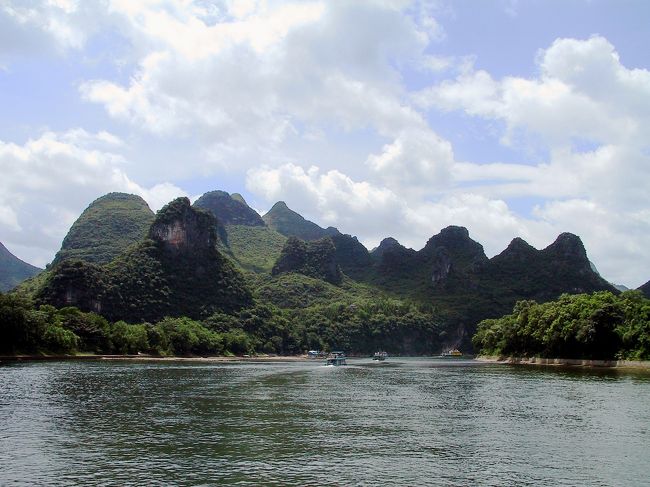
(336, 358)
(380, 356)
(454, 353)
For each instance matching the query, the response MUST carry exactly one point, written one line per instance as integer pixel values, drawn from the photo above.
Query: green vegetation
(591, 326)
(253, 248)
(106, 228)
(290, 224)
(229, 210)
(13, 271)
(176, 272)
(361, 327)
(179, 289)
(314, 259)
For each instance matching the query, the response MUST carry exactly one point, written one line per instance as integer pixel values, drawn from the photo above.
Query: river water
(399, 422)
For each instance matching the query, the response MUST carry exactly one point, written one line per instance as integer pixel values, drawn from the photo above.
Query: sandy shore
(564, 362)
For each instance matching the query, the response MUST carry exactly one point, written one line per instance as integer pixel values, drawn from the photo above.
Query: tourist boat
(454, 353)
(336, 358)
(380, 356)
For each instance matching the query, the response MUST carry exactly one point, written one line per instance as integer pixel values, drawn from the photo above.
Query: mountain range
(219, 254)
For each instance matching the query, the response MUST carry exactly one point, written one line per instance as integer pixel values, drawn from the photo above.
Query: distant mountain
(290, 224)
(106, 228)
(645, 289)
(13, 271)
(453, 273)
(175, 271)
(229, 209)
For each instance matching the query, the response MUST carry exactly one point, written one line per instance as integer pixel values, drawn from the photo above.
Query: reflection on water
(403, 421)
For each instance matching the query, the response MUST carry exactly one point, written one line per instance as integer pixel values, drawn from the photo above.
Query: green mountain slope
(13, 271)
(106, 228)
(176, 271)
(290, 224)
(314, 259)
(645, 289)
(229, 209)
(253, 248)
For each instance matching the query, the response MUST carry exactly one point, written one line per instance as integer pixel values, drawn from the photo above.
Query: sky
(382, 118)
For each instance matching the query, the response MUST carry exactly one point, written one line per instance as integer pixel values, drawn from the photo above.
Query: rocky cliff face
(451, 253)
(181, 228)
(177, 271)
(229, 209)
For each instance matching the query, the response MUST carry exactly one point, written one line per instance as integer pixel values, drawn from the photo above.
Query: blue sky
(383, 118)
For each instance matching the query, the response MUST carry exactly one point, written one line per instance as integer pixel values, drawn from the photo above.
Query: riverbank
(565, 362)
(154, 358)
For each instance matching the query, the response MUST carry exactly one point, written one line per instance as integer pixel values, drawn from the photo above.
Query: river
(399, 422)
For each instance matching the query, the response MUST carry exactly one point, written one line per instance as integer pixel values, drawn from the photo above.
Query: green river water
(399, 422)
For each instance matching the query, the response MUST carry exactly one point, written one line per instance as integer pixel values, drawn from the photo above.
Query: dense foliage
(176, 272)
(290, 224)
(314, 259)
(592, 326)
(253, 248)
(106, 228)
(362, 327)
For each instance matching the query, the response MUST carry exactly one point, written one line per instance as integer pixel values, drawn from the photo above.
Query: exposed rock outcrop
(177, 271)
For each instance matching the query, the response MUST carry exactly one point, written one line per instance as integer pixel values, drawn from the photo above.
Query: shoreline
(566, 362)
(154, 358)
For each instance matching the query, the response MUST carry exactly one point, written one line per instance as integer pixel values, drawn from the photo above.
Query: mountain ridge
(13, 270)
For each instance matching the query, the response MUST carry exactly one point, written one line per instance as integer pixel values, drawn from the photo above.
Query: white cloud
(416, 158)
(617, 241)
(263, 88)
(330, 198)
(583, 91)
(47, 182)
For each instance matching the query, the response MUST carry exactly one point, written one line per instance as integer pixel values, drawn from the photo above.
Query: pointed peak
(280, 205)
(238, 197)
(567, 245)
(519, 244)
(229, 209)
(451, 236)
(389, 242)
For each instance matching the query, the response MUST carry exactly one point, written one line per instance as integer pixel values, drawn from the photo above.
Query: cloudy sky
(383, 118)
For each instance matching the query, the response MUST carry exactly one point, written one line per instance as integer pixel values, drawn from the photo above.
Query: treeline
(589, 326)
(362, 327)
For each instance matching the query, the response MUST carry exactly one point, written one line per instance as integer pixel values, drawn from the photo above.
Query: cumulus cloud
(330, 198)
(583, 91)
(256, 75)
(416, 158)
(48, 181)
(264, 88)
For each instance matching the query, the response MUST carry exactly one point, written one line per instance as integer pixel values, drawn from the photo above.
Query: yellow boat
(454, 353)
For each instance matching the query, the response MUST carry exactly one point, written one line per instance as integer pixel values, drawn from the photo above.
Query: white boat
(336, 358)
(380, 356)
(454, 353)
